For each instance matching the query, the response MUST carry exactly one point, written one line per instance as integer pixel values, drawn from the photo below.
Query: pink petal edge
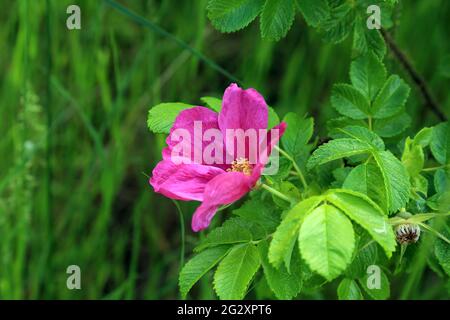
(182, 181)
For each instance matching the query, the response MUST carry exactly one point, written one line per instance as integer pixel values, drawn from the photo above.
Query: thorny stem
(296, 167)
(415, 76)
(275, 192)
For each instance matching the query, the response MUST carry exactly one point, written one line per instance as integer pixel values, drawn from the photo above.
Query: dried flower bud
(407, 233)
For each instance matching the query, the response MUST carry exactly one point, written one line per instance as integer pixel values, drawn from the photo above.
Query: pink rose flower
(217, 184)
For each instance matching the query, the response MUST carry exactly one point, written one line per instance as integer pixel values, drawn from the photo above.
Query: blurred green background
(76, 153)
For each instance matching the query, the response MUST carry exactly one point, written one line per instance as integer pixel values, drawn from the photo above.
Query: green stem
(182, 232)
(370, 123)
(224, 207)
(400, 259)
(296, 167)
(366, 245)
(255, 242)
(435, 232)
(434, 168)
(420, 262)
(275, 192)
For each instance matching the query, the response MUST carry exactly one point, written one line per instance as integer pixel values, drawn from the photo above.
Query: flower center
(241, 165)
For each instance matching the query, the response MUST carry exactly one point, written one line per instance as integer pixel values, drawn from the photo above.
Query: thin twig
(415, 76)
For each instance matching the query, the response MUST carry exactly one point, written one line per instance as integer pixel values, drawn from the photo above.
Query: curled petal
(203, 216)
(223, 189)
(182, 181)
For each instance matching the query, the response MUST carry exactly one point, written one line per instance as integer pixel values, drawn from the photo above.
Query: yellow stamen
(241, 165)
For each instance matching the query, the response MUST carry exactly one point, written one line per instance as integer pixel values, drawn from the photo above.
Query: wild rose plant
(314, 211)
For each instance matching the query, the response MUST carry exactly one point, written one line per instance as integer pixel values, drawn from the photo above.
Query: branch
(415, 76)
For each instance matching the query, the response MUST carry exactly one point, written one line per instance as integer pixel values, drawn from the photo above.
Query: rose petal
(223, 189)
(205, 119)
(182, 181)
(245, 110)
(242, 109)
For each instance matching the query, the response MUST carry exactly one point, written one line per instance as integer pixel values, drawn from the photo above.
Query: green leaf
(327, 241)
(162, 116)
(392, 126)
(343, 121)
(233, 15)
(419, 184)
(231, 232)
(349, 101)
(434, 265)
(359, 133)
(348, 289)
(391, 2)
(367, 214)
(391, 98)
(378, 293)
(367, 40)
(286, 233)
(298, 132)
(423, 137)
(442, 252)
(396, 179)
(337, 149)
(235, 272)
(366, 178)
(442, 180)
(440, 143)
(386, 9)
(198, 266)
(340, 175)
(365, 256)
(284, 169)
(259, 212)
(289, 189)
(413, 157)
(273, 118)
(314, 11)
(285, 285)
(276, 18)
(368, 74)
(323, 174)
(339, 24)
(213, 103)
